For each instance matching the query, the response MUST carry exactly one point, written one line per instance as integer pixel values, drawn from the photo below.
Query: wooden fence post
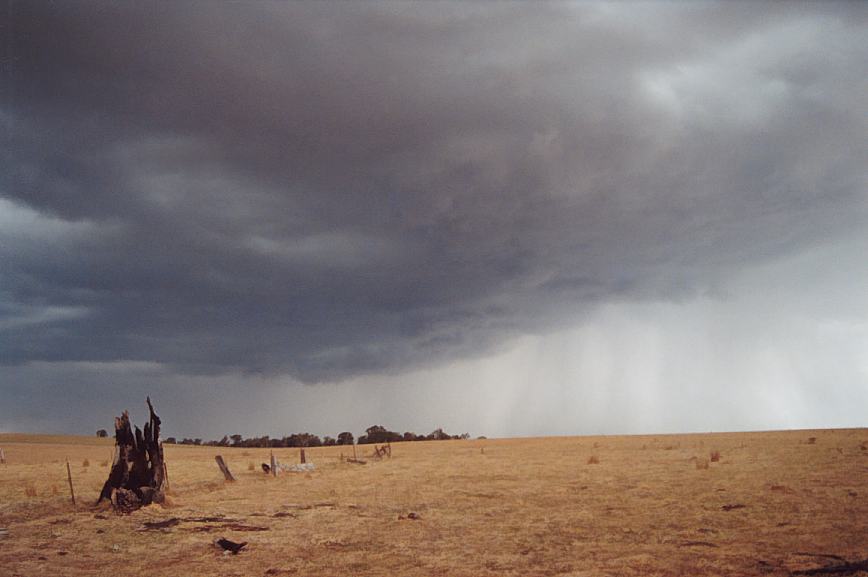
(69, 478)
(273, 465)
(302, 457)
(2, 457)
(220, 463)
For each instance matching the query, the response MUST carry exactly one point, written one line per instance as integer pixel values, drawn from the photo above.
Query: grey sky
(501, 218)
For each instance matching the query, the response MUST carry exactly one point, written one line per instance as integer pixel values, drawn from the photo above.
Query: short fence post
(69, 478)
(220, 463)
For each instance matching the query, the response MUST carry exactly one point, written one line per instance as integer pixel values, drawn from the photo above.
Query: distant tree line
(374, 434)
(378, 434)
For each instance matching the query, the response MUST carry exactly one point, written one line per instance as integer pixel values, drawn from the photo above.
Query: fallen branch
(697, 544)
(155, 525)
(823, 555)
(231, 546)
(842, 569)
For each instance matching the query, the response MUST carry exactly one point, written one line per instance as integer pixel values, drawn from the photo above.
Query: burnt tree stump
(138, 473)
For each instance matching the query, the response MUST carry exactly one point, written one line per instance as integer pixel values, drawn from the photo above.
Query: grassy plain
(775, 503)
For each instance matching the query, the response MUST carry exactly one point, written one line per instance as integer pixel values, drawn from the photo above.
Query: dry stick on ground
(69, 478)
(847, 568)
(226, 473)
(137, 476)
(231, 546)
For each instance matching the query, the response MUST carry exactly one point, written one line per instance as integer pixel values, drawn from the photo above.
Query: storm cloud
(318, 193)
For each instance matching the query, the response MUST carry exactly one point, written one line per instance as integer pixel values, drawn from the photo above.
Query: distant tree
(171, 441)
(236, 440)
(197, 441)
(102, 433)
(328, 441)
(345, 438)
(379, 434)
(303, 440)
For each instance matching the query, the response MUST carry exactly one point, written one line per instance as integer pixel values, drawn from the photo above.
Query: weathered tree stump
(138, 473)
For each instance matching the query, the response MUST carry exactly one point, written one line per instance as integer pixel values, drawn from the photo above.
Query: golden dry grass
(774, 503)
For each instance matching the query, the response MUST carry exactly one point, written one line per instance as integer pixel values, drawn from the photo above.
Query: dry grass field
(773, 504)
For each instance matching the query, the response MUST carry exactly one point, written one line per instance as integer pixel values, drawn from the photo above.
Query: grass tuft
(715, 456)
(593, 460)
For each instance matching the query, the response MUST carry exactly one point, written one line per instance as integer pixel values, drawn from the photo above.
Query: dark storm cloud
(327, 190)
